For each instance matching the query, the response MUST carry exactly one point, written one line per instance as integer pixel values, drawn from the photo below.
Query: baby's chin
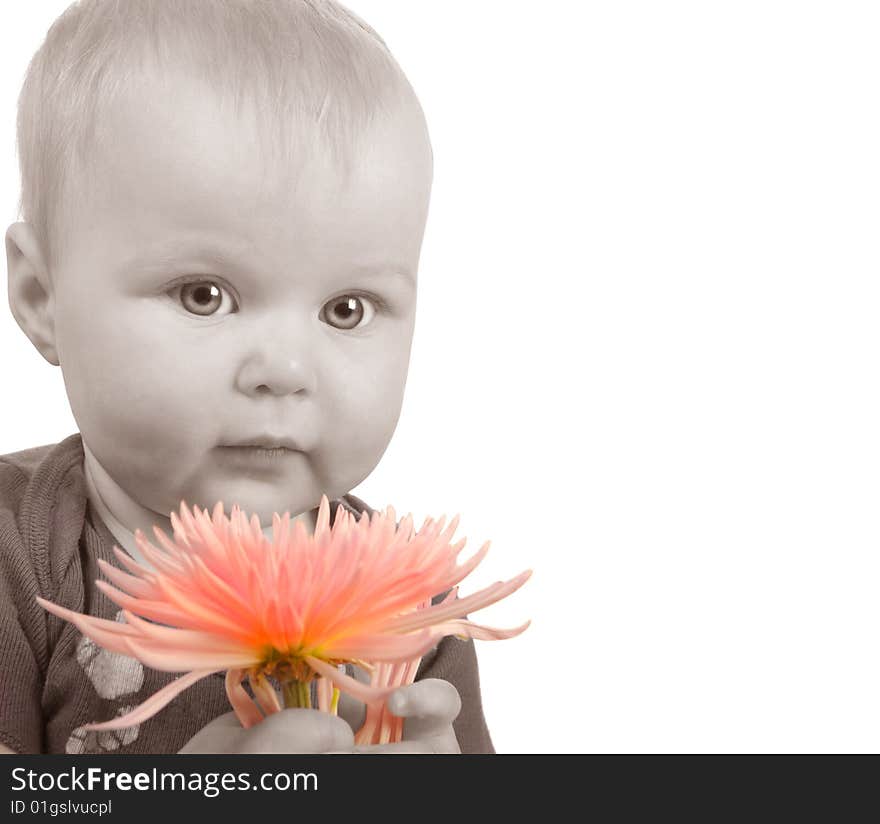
(256, 497)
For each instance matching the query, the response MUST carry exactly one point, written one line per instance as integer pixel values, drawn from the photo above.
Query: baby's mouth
(263, 446)
(264, 442)
(262, 451)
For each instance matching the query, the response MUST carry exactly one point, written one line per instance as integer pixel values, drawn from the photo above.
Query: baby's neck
(123, 516)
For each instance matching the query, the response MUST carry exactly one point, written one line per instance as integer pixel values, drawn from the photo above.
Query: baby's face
(207, 301)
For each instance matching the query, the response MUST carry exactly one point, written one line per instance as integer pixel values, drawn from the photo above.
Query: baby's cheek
(142, 398)
(356, 430)
(369, 400)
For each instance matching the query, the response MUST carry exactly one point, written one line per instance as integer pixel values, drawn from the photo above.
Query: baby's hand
(282, 733)
(429, 707)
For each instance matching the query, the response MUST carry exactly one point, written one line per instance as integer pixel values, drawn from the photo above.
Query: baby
(223, 205)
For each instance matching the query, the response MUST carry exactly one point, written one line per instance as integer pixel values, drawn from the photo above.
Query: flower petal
(382, 646)
(109, 634)
(465, 569)
(219, 594)
(169, 658)
(245, 709)
(133, 566)
(182, 638)
(264, 692)
(154, 703)
(134, 586)
(154, 610)
(348, 684)
(322, 524)
(466, 629)
(459, 607)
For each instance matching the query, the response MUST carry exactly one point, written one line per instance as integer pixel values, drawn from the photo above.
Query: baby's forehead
(308, 72)
(168, 126)
(317, 73)
(195, 147)
(187, 182)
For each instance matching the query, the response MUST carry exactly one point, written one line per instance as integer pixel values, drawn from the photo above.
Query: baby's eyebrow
(401, 273)
(169, 253)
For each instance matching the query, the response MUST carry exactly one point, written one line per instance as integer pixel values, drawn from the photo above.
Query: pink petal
(245, 709)
(196, 611)
(170, 658)
(182, 638)
(382, 647)
(154, 610)
(109, 634)
(133, 566)
(450, 597)
(136, 587)
(325, 694)
(154, 703)
(465, 629)
(165, 563)
(322, 525)
(265, 694)
(465, 569)
(348, 684)
(79, 618)
(458, 608)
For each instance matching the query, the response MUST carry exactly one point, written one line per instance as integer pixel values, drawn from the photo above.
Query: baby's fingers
(297, 731)
(432, 699)
(429, 707)
(219, 736)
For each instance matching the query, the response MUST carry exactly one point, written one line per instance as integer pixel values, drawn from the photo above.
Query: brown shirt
(54, 680)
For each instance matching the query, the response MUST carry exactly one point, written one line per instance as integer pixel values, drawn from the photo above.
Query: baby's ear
(31, 296)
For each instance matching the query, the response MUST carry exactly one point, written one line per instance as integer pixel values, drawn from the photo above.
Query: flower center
(286, 668)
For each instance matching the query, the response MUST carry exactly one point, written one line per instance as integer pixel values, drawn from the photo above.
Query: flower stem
(297, 694)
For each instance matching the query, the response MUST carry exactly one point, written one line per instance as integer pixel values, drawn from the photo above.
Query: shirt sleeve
(22, 637)
(455, 660)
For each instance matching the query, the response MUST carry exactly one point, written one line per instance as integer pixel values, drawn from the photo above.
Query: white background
(645, 363)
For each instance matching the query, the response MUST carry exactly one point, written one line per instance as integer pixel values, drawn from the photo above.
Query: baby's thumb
(429, 707)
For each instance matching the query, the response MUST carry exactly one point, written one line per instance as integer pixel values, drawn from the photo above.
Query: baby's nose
(275, 370)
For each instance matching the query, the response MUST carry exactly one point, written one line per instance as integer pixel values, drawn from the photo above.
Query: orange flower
(223, 596)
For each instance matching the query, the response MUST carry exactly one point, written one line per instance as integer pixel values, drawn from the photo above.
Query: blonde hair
(311, 71)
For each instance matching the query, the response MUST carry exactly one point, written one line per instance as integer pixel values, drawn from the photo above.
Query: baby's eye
(205, 298)
(348, 311)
